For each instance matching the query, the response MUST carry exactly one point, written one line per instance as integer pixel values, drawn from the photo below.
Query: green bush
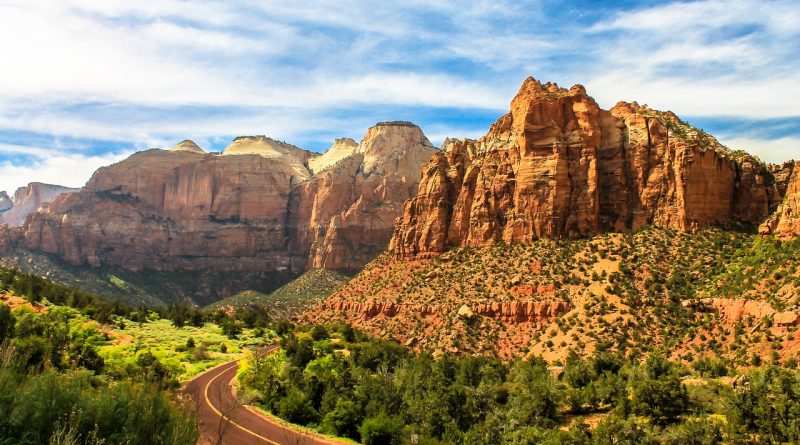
(296, 407)
(344, 420)
(381, 430)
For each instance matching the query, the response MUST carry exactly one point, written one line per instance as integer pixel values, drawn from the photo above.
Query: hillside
(291, 298)
(570, 227)
(714, 292)
(146, 287)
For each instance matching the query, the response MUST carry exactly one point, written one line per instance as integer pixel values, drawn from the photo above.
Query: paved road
(220, 415)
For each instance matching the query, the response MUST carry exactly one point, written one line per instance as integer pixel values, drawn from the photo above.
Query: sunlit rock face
(31, 198)
(344, 215)
(785, 222)
(557, 165)
(260, 204)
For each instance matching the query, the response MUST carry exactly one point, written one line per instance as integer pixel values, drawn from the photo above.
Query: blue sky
(86, 82)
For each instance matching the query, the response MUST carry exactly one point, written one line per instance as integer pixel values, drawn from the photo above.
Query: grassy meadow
(173, 346)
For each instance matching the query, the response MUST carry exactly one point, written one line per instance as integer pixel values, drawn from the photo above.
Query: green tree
(344, 420)
(534, 394)
(662, 399)
(381, 430)
(6, 323)
(296, 407)
(319, 332)
(616, 431)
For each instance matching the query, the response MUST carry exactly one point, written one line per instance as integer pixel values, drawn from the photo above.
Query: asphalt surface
(225, 421)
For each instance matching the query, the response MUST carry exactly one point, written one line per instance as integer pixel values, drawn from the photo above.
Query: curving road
(223, 420)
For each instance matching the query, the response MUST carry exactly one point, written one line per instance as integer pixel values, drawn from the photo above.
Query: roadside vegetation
(75, 368)
(343, 382)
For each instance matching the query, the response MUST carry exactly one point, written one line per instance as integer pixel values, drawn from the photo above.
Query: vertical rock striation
(785, 222)
(557, 165)
(344, 215)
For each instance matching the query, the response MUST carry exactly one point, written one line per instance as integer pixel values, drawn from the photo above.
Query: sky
(84, 83)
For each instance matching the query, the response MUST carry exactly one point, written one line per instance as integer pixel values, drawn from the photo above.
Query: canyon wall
(259, 205)
(344, 215)
(27, 200)
(557, 165)
(785, 222)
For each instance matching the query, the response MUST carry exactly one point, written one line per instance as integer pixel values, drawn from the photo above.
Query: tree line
(345, 383)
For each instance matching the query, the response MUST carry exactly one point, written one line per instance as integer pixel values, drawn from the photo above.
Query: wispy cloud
(150, 73)
(50, 166)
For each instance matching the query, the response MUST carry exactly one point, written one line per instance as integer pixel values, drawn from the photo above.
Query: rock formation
(785, 222)
(734, 311)
(187, 145)
(257, 206)
(341, 149)
(557, 165)
(344, 215)
(27, 200)
(523, 311)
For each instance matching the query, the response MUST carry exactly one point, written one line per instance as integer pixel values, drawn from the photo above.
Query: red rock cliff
(785, 222)
(258, 206)
(558, 165)
(29, 199)
(344, 215)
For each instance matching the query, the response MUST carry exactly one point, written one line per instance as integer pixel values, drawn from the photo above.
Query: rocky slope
(721, 293)
(290, 299)
(785, 222)
(27, 200)
(572, 227)
(259, 206)
(557, 165)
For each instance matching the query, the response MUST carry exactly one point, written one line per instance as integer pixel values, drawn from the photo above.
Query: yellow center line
(208, 401)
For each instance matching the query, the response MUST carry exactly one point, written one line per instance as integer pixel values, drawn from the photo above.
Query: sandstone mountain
(785, 222)
(187, 145)
(570, 227)
(341, 149)
(27, 200)
(344, 215)
(557, 165)
(260, 206)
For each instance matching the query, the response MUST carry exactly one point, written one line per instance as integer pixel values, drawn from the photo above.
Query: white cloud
(51, 167)
(708, 97)
(113, 69)
(769, 150)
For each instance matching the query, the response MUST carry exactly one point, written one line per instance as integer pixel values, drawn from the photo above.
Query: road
(219, 414)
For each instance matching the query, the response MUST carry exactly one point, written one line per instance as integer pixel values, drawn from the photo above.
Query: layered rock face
(173, 210)
(734, 311)
(257, 206)
(785, 222)
(344, 215)
(27, 200)
(558, 165)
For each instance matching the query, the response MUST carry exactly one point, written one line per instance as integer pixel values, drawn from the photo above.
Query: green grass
(168, 344)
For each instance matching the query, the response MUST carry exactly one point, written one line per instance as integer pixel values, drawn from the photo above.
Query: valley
(577, 275)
